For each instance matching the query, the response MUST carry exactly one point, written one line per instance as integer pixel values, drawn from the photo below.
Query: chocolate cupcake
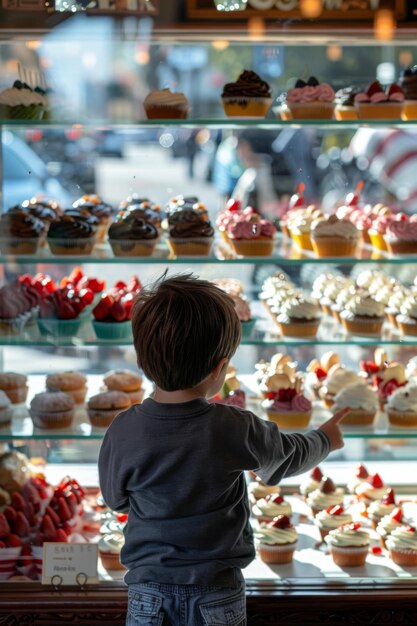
(94, 205)
(408, 83)
(249, 96)
(145, 208)
(190, 232)
(73, 233)
(20, 233)
(345, 103)
(132, 234)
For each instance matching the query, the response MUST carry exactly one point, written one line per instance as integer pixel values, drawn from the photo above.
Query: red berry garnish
(282, 521)
(389, 497)
(4, 526)
(335, 510)
(316, 474)
(61, 536)
(86, 296)
(233, 205)
(278, 500)
(122, 517)
(374, 87)
(411, 529)
(102, 309)
(362, 472)
(320, 373)
(118, 312)
(394, 88)
(13, 541)
(397, 515)
(76, 275)
(327, 485)
(376, 481)
(376, 550)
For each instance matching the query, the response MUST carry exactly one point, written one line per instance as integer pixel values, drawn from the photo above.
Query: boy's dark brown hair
(182, 327)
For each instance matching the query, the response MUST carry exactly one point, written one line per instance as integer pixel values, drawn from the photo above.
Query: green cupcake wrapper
(112, 330)
(58, 328)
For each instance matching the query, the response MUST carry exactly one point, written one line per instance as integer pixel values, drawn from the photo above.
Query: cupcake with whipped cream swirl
(276, 541)
(164, 104)
(249, 96)
(348, 545)
(310, 100)
(109, 548)
(402, 546)
(388, 523)
(331, 518)
(311, 482)
(131, 235)
(361, 475)
(325, 496)
(407, 317)
(380, 508)
(299, 318)
(271, 506)
(257, 489)
(371, 489)
(336, 382)
(335, 237)
(286, 404)
(362, 402)
(401, 406)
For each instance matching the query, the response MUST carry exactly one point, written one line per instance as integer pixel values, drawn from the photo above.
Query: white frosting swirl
(378, 509)
(366, 490)
(271, 535)
(335, 228)
(345, 537)
(356, 396)
(319, 500)
(402, 538)
(409, 307)
(260, 490)
(341, 379)
(404, 399)
(308, 486)
(323, 519)
(269, 508)
(386, 525)
(113, 542)
(4, 401)
(301, 309)
(360, 305)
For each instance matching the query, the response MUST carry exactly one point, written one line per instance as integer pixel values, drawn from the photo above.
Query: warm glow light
(311, 8)
(384, 25)
(406, 58)
(12, 66)
(142, 57)
(33, 45)
(256, 28)
(334, 53)
(220, 44)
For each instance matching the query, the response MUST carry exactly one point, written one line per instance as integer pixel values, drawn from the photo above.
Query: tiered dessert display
(359, 522)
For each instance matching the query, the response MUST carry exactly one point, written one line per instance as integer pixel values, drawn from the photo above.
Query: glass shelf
(22, 428)
(264, 334)
(266, 123)
(284, 254)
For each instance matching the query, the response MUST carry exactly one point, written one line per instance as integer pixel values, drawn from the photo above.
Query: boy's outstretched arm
(288, 455)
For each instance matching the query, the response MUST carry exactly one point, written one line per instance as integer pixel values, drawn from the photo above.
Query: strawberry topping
(389, 497)
(316, 474)
(282, 521)
(335, 510)
(375, 481)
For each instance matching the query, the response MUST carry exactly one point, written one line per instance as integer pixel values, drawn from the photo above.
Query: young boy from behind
(176, 462)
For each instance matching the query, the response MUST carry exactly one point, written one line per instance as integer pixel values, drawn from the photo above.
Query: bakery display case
(319, 293)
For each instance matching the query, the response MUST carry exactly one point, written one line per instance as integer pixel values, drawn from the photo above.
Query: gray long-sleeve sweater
(178, 470)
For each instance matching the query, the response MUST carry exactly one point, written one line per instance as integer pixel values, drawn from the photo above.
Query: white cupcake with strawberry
(112, 313)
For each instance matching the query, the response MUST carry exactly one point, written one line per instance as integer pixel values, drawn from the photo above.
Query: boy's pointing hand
(332, 429)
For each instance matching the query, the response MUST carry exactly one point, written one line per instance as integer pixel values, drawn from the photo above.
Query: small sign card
(70, 564)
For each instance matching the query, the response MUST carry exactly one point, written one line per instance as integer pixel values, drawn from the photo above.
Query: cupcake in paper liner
(165, 104)
(310, 100)
(348, 545)
(249, 96)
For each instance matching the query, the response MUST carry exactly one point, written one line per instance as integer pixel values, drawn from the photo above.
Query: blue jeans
(155, 604)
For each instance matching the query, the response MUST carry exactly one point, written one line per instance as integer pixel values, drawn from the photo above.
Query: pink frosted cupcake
(250, 235)
(311, 100)
(401, 235)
